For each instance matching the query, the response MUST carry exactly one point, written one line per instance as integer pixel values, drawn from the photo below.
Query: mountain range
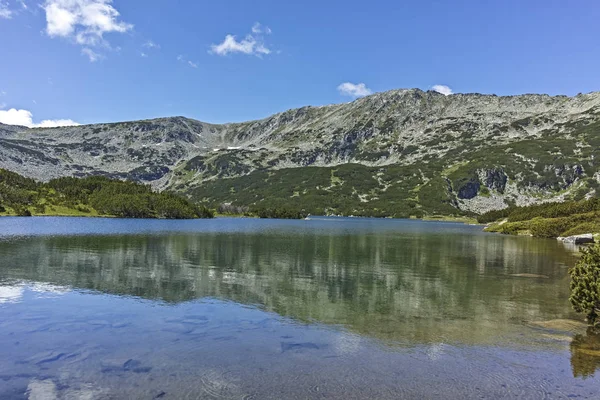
(399, 153)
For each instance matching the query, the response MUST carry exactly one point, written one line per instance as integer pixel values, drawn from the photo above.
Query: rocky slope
(400, 153)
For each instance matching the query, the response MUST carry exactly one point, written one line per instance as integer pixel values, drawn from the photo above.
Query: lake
(332, 308)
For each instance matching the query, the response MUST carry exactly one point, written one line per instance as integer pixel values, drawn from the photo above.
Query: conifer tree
(585, 285)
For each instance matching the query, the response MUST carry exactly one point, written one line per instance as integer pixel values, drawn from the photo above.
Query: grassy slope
(56, 211)
(349, 189)
(92, 196)
(548, 220)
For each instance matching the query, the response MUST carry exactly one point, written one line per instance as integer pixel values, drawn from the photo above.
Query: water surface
(246, 308)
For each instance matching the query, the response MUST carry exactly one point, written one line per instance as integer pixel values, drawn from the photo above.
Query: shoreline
(462, 220)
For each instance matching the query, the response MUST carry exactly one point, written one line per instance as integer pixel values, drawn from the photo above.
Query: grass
(90, 197)
(219, 215)
(575, 224)
(445, 218)
(56, 211)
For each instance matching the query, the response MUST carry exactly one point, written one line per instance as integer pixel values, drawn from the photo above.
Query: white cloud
(25, 118)
(231, 45)
(258, 28)
(151, 45)
(52, 123)
(92, 55)
(252, 44)
(354, 90)
(181, 58)
(5, 12)
(443, 89)
(9, 9)
(83, 21)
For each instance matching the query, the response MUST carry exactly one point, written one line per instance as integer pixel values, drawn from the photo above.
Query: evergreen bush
(585, 285)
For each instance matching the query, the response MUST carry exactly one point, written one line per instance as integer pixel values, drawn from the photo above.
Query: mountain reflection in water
(405, 288)
(459, 298)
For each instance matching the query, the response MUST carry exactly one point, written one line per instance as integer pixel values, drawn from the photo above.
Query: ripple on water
(220, 384)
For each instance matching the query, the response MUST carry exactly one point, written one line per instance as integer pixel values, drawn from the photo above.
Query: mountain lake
(329, 308)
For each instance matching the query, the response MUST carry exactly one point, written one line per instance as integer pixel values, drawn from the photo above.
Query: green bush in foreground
(585, 285)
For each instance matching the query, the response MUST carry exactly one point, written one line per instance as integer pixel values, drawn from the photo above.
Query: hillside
(398, 153)
(91, 196)
(548, 220)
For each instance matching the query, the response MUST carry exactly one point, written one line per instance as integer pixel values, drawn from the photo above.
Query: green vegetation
(430, 179)
(426, 184)
(92, 196)
(546, 210)
(349, 189)
(585, 285)
(547, 220)
(227, 209)
(280, 213)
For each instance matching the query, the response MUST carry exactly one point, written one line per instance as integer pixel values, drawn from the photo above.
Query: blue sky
(100, 60)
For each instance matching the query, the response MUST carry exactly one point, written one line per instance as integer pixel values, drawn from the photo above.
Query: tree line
(95, 195)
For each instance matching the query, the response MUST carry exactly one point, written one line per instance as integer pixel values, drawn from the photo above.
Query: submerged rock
(563, 325)
(42, 390)
(529, 276)
(558, 338)
(297, 347)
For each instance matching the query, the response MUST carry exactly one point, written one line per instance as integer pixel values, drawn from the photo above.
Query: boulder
(578, 239)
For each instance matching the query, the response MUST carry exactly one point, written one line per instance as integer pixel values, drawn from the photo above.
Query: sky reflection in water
(238, 308)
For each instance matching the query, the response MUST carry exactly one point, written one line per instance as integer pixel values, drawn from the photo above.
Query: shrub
(22, 211)
(584, 227)
(585, 285)
(228, 208)
(546, 210)
(280, 213)
(107, 196)
(493, 215)
(83, 209)
(549, 228)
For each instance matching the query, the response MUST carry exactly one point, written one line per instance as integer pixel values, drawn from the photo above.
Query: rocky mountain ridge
(399, 153)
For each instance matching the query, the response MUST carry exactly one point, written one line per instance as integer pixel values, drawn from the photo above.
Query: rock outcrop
(586, 238)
